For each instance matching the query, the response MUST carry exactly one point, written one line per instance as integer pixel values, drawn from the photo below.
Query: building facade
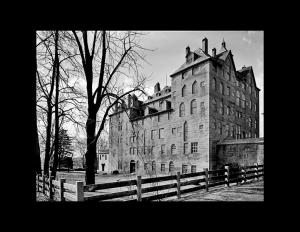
(179, 126)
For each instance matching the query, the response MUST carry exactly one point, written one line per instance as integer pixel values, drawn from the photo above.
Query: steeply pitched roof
(223, 49)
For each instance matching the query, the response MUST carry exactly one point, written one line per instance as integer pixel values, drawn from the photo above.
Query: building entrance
(132, 166)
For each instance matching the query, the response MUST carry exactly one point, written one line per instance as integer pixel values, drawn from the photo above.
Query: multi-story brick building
(178, 127)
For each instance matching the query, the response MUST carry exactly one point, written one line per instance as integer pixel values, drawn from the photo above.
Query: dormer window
(189, 59)
(158, 94)
(150, 97)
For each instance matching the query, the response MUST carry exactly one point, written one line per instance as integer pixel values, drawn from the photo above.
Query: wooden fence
(156, 191)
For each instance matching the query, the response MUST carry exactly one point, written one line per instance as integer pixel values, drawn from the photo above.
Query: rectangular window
(184, 169)
(194, 147)
(179, 129)
(200, 127)
(202, 83)
(99, 157)
(105, 157)
(162, 149)
(173, 130)
(185, 148)
(163, 169)
(134, 149)
(159, 117)
(193, 169)
(228, 91)
(228, 110)
(152, 134)
(161, 133)
(146, 166)
(243, 85)
(202, 104)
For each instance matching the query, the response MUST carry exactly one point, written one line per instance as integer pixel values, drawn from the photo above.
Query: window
(183, 91)
(221, 88)
(133, 150)
(194, 147)
(243, 101)
(173, 149)
(169, 115)
(255, 107)
(222, 72)
(214, 86)
(163, 169)
(137, 165)
(185, 131)
(250, 89)
(159, 118)
(250, 104)
(153, 166)
(179, 129)
(194, 87)
(146, 166)
(244, 135)
(221, 108)
(227, 130)
(202, 83)
(200, 127)
(120, 126)
(161, 133)
(153, 134)
(214, 105)
(181, 110)
(193, 169)
(202, 104)
(185, 148)
(130, 151)
(255, 93)
(255, 124)
(238, 98)
(184, 74)
(138, 150)
(184, 169)
(162, 149)
(220, 128)
(243, 85)
(250, 134)
(171, 167)
(232, 93)
(228, 91)
(173, 130)
(99, 157)
(152, 150)
(214, 123)
(193, 107)
(228, 110)
(232, 131)
(250, 122)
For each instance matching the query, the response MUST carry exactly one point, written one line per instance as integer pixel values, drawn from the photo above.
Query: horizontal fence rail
(147, 189)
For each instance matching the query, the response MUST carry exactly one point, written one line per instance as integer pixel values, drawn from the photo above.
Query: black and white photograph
(148, 116)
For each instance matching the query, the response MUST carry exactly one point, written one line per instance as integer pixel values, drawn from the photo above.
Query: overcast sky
(246, 46)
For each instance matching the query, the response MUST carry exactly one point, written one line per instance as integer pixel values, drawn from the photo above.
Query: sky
(246, 46)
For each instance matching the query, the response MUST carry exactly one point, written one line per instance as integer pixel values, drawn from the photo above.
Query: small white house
(103, 160)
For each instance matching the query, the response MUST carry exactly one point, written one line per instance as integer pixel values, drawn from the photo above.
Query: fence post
(206, 178)
(228, 175)
(61, 189)
(139, 188)
(50, 187)
(79, 191)
(256, 173)
(43, 189)
(178, 185)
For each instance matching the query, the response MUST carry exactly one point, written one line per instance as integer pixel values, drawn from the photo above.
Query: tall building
(178, 127)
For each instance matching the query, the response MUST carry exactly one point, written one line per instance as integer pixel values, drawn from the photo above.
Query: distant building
(178, 127)
(103, 160)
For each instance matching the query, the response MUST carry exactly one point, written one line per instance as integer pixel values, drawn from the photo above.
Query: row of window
(193, 108)
(194, 88)
(234, 129)
(150, 150)
(228, 109)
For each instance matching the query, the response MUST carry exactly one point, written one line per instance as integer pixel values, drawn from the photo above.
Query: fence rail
(138, 191)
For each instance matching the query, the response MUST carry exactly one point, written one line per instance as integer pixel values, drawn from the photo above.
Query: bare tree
(111, 54)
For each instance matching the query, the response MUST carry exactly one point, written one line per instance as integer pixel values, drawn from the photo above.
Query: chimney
(213, 52)
(223, 43)
(157, 87)
(129, 101)
(204, 45)
(187, 50)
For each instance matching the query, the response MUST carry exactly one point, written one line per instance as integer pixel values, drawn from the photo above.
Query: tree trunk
(55, 161)
(38, 168)
(90, 155)
(47, 152)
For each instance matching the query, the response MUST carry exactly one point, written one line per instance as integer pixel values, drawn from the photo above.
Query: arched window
(153, 166)
(181, 110)
(250, 122)
(137, 165)
(171, 167)
(221, 88)
(193, 107)
(238, 98)
(220, 128)
(183, 91)
(214, 105)
(185, 131)
(214, 124)
(173, 149)
(255, 124)
(243, 100)
(227, 130)
(221, 108)
(214, 86)
(194, 87)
